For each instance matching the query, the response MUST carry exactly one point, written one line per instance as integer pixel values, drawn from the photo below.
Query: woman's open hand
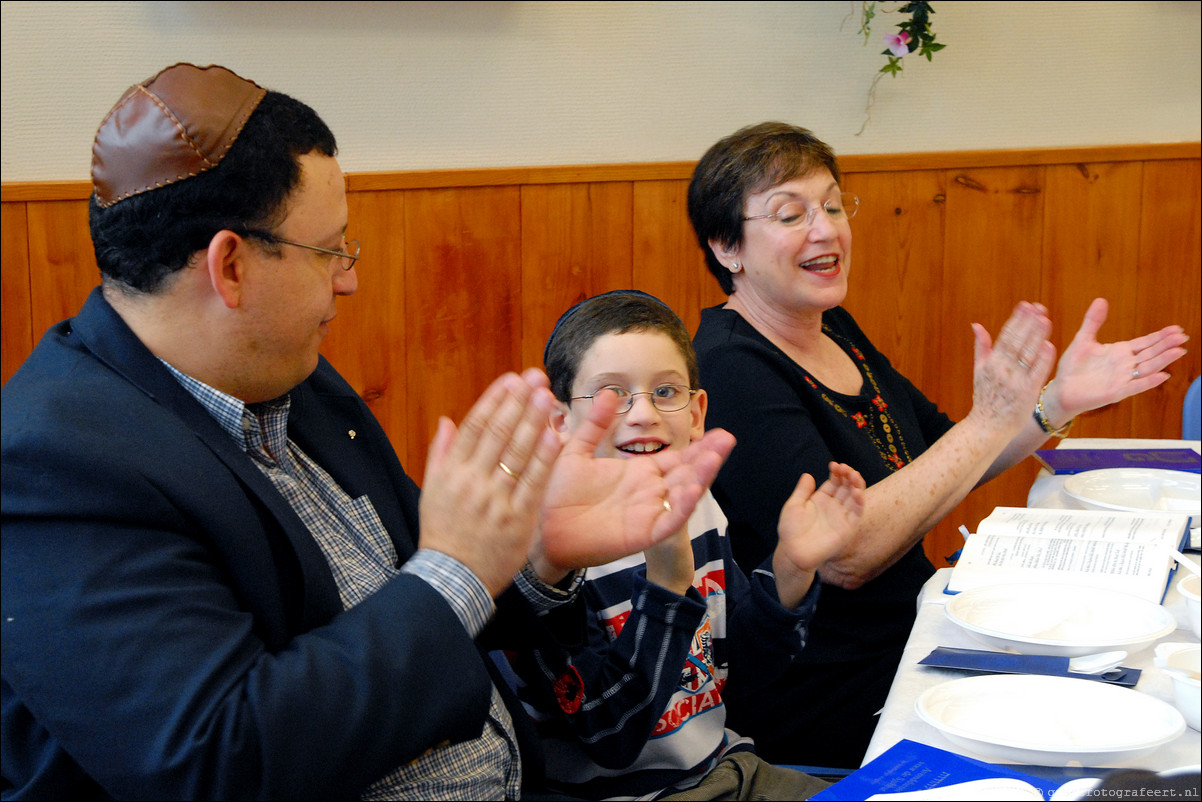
(1008, 375)
(1093, 374)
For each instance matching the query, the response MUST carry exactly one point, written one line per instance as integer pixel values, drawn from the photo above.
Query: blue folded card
(1079, 460)
(1006, 663)
(911, 766)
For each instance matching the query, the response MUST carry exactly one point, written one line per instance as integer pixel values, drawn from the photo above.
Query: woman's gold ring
(667, 506)
(510, 472)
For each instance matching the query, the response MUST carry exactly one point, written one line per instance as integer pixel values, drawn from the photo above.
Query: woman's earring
(735, 267)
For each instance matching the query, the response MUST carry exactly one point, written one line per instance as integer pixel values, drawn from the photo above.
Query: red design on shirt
(616, 624)
(858, 417)
(569, 690)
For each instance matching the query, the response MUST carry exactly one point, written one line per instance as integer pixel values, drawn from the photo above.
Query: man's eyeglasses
(346, 258)
(665, 398)
(795, 213)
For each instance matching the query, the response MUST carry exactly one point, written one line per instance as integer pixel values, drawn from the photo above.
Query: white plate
(1138, 490)
(1049, 721)
(1065, 620)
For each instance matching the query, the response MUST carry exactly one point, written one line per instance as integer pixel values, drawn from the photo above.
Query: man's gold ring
(667, 506)
(510, 472)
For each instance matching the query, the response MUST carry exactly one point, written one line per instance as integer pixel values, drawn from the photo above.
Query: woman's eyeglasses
(795, 213)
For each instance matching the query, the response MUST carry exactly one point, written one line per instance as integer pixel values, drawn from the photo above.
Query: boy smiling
(638, 711)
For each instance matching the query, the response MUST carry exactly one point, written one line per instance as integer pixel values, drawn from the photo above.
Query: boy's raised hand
(814, 526)
(597, 510)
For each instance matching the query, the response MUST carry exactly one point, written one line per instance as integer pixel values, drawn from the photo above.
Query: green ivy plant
(914, 34)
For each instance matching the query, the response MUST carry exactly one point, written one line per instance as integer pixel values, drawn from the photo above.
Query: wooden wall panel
(462, 280)
(1090, 227)
(896, 291)
(667, 261)
(991, 262)
(896, 284)
(367, 340)
(1170, 283)
(464, 272)
(16, 322)
(577, 241)
(62, 264)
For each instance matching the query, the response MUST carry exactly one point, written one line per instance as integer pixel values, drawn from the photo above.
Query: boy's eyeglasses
(665, 398)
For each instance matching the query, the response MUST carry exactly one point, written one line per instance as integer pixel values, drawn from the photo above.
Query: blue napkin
(1005, 663)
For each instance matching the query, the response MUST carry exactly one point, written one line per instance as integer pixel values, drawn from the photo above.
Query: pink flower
(898, 43)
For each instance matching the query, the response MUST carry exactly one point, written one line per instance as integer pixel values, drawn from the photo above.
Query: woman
(793, 377)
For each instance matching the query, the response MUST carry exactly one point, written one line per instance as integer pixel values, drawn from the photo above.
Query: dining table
(933, 628)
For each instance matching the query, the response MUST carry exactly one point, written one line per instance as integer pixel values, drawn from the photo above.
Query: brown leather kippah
(176, 125)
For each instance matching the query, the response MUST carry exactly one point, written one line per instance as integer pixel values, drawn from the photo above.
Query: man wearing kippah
(213, 580)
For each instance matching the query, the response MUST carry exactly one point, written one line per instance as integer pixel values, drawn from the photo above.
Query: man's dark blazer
(170, 628)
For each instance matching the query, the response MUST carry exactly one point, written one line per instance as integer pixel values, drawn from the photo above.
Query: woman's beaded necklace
(878, 424)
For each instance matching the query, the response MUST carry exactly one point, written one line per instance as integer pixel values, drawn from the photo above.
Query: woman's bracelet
(1042, 419)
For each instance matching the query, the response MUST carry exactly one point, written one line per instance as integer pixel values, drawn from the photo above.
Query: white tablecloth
(932, 628)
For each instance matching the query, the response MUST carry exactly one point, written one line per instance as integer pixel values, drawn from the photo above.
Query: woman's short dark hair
(748, 161)
(142, 240)
(616, 312)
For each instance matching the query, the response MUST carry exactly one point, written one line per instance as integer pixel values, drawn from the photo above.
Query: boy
(637, 711)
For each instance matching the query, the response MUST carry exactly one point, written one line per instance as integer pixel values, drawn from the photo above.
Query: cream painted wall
(413, 85)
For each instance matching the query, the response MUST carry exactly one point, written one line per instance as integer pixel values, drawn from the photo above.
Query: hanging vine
(913, 35)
